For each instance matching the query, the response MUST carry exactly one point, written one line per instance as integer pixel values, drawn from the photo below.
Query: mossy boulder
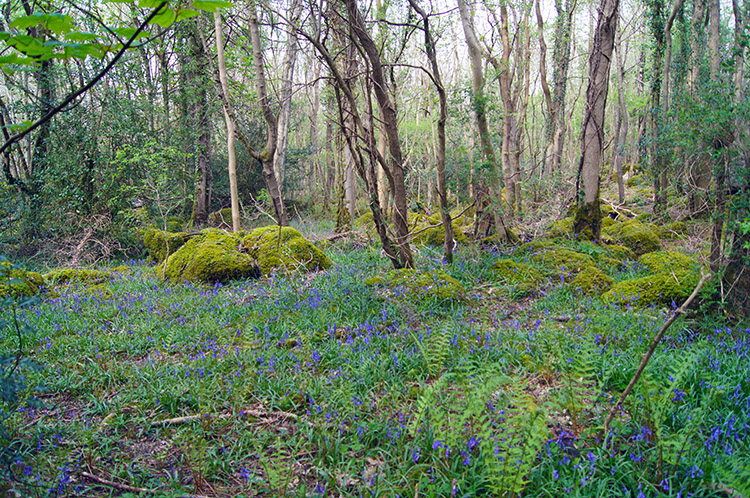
(662, 288)
(426, 233)
(283, 249)
(221, 218)
(522, 276)
(668, 262)
(161, 244)
(674, 230)
(175, 224)
(210, 257)
(620, 253)
(17, 282)
(591, 280)
(82, 276)
(561, 260)
(561, 229)
(433, 284)
(640, 237)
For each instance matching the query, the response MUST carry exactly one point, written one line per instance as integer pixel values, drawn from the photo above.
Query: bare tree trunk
(488, 151)
(445, 214)
(267, 154)
(231, 127)
(290, 57)
(560, 64)
(588, 216)
(622, 118)
(549, 126)
(716, 255)
(390, 121)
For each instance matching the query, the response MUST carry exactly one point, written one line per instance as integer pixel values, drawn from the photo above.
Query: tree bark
(588, 216)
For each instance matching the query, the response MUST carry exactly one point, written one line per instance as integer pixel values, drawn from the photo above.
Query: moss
(560, 259)
(162, 244)
(619, 252)
(668, 262)
(663, 288)
(607, 222)
(283, 249)
(175, 225)
(17, 282)
(434, 284)
(561, 229)
(435, 235)
(83, 276)
(522, 276)
(122, 270)
(101, 292)
(591, 280)
(213, 256)
(637, 236)
(221, 218)
(674, 230)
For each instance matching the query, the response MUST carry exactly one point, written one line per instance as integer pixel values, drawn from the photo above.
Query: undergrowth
(320, 385)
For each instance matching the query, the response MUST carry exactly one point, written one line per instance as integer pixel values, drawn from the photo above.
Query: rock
(524, 277)
(668, 262)
(592, 281)
(435, 235)
(283, 249)
(17, 282)
(83, 276)
(161, 244)
(212, 256)
(434, 284)
(640, 237)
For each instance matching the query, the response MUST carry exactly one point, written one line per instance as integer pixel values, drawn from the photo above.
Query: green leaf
(185, 14)
(126, 32)
(211, 5)
(57, 23)
(80, 36)
(19, 126)
(149, 4)
(165, 18)
(29, 45)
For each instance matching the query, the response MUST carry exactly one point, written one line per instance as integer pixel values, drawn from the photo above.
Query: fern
(436, 353)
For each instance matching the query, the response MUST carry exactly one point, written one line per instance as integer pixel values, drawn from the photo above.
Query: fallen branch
(223, 416)
(644, 361)
(117, 485)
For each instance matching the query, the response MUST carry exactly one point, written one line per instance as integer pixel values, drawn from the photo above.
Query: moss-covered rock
(17, 282)
(523, 277)
(668, 262)
(81, 276)
(212, 256)
(426, 233)
(619, 252)
(637, 236)
(559, 259)
(283, 249)
(434, 284)
(674, 230)
(662, 288)
(161, 244)
(591, 280)
(561, 229)
(221, 218)
(175, 224)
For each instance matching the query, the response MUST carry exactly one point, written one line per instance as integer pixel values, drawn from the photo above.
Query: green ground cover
(323, 384)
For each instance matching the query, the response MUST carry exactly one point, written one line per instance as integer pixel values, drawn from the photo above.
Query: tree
(588, 217)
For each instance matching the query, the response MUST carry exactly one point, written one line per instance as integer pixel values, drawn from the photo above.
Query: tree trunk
(285, 112)
(390, 122)
(231, 127)
(488, 151)
(588, 216)
(445, 214)
(622, 118)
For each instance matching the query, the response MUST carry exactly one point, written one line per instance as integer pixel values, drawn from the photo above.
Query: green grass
(322, 385)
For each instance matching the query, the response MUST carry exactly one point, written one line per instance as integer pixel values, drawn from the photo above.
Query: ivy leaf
(211, 5)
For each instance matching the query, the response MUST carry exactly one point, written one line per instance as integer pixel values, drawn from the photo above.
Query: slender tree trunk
(622, 118)
(445, 214)
(231, 128)
(285, 113)
(488, 151)
(588, 216)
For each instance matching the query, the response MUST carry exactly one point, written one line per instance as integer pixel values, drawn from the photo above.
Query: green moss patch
(668, 262)
(558, 259)
(522, 276)
(82, 276)
(640, 237)
(663, 288)
(221, 218)
(161, 244)
(434, 284)
(17, 282)
(213, 256)
(283, 249)
(561, 229)
(592, 281)
(427, 233)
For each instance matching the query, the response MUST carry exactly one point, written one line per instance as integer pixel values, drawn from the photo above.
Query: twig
(117, 485)
(651, 349)
(199, 416)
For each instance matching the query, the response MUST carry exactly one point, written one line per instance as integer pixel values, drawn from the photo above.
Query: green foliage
(591, 280)
(413, 284)
(18, 283)
(522, 276)
(639, 237)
